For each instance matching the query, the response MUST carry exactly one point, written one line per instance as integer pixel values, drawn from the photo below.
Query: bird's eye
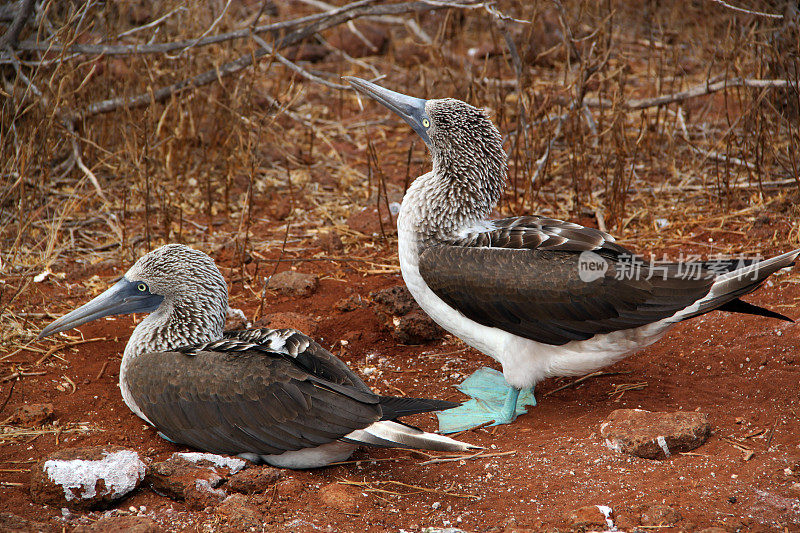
(426, 122)
(142, 287)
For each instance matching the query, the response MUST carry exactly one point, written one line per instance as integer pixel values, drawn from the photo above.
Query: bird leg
(509, 411)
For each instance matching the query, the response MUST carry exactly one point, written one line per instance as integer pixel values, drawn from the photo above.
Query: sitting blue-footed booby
(541, 296)
(266, 395)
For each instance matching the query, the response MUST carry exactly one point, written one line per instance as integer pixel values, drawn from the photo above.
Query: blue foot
(493, 400)
(165, 437)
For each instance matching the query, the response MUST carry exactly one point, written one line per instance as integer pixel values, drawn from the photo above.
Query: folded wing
(523, 275)
(245, 402)
(267, 392)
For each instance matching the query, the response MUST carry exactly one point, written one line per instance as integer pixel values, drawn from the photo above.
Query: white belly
(525, 362)
(310, 457)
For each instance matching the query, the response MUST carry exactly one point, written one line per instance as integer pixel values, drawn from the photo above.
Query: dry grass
(254, 165)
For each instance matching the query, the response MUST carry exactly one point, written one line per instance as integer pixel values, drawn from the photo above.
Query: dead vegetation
(126, 125)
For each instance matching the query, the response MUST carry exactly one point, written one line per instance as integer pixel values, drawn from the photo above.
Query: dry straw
(124, 126)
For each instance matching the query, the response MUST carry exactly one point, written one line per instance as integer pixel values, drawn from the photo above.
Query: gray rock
(654, 435)
(237, 514)
(86, 478)
(202, 495)
(350, 303)
(30, 415)
(293, 283)
(193, 477)
(255, 479)
(396, 308)
(416, 328)
(659, 515)
(393, 301)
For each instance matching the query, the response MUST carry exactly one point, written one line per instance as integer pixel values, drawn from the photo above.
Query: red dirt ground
(742, 371)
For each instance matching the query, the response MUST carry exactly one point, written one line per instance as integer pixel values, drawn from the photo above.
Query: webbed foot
(493, 400)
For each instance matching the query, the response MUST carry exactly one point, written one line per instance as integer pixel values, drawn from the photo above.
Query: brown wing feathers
(522, 276)
(536, 232)
(259, 404)
(305, 352)
(525, 280)
(259, 391)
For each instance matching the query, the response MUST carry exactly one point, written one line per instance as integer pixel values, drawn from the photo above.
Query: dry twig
(694, 92)
(468, 457)
(582, 379)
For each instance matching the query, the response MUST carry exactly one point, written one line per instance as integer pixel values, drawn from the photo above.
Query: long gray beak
(411, 109)
(122, 298)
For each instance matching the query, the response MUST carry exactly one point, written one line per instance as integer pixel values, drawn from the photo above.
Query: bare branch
(297, 68)
(205, 33)
(710, 154)
(329, 20)
(9, 38)
(586, 72)
(28, 83)
(347, 57)
(542, 161)
(748, 11)
(699, 90)
(337, 16)
(156, 22)
(163, 48)
(76, 154)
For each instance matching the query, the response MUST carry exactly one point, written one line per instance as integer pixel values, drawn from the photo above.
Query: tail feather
(760, 270)
(395, 407)
(739, 306)
(729, 286)
(390, 434)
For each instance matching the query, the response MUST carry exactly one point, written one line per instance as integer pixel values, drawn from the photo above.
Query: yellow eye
(142, 287)
(426, 122)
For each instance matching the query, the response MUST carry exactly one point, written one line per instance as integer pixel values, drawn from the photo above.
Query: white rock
(231, 463)
(121, 472)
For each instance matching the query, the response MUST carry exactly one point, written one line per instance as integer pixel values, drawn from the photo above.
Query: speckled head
(182, 289)
(469, 163)
(454, 124)
(179, 273)
(463, 139)
(444, 124)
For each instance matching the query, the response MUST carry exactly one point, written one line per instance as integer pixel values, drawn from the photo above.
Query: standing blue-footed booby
(543, 297)
(266, 395)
